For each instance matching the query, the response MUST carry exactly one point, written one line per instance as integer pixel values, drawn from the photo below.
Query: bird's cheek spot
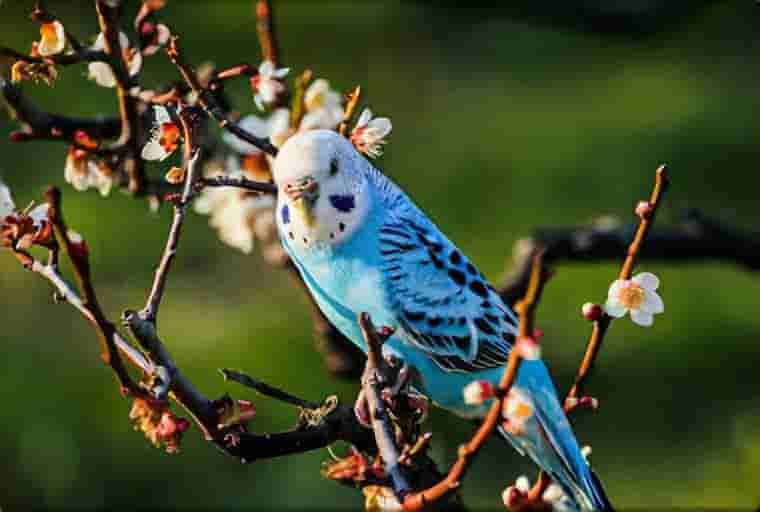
(343, 203)
(285, 213)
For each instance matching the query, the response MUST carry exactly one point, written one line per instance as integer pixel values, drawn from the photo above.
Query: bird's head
(322, 188)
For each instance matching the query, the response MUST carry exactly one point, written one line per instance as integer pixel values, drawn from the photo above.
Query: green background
(503, 121)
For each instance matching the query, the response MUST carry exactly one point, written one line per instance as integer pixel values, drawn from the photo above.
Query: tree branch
(600, 326)
(210, 104)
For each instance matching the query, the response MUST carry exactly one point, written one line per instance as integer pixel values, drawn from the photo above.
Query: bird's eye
(333, 168)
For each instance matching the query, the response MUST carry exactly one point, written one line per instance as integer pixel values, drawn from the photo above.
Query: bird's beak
(303, 194)
(305, 188)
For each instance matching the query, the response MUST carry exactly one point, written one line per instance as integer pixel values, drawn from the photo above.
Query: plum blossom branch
(191, 173)
(111, 342)
(646, 212)
(211, 105)
(108, 19)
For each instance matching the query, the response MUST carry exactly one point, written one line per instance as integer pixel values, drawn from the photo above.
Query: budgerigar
(362, 245)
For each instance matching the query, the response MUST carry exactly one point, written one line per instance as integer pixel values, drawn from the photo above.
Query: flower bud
(175, 176)
(478, 391)
(591, 312)
(644, 209)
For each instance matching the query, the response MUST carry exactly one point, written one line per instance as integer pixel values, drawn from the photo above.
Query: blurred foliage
(502, 123)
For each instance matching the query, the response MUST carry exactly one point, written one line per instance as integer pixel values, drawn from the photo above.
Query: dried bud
(644, 209)
(380, 499)
(175, 176)
(83, 139)
(19, 136)
(478, 391)
(352, 468)
(591, 312)
(77, 245)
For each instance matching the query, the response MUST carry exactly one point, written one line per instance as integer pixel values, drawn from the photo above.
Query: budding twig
(89, 306)
(210, 104)
(352, 100)
(108, 19)
(192, 154)
(600, 326)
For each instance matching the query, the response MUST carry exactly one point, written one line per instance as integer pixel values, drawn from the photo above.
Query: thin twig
(244, 183)
(210, 104)
(265, 28)
(600, 327)
(192, 154)
(352, 100)
(110, 341)
(265, 389)
(108, 19)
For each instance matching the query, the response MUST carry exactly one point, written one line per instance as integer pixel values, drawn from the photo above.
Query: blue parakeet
(362, 245)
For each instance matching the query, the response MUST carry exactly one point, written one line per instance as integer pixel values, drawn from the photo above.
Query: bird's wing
(443, 304)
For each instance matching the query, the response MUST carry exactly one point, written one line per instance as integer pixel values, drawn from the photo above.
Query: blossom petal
(382, 126)
(652, 303)
(614, 308)
(51, 44)
(163, 34)
(39, 213)
(280, 73)
(364, 118)
(266, 68)
(615, 288)
(647, 280)
(161, 115)
(7, 206)
(522, 484)
(641, 317)
(102, 74)
(154, 151)
(135, 64)
(100, 42)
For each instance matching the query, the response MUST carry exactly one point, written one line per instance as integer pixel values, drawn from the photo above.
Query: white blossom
(52, 39)
(7, 206)
(234, 213)
(477, 392)
(368, 136)
(637, 296)
(161, 37)
(324, 107)
(84, 173)
(517, 409)
(102, 73)
(164, 137)
(274, 127)
(268, 83)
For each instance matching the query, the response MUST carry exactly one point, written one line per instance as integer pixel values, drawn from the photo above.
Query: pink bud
(644, 209)
(385, 332)
(591, 312)
(147, 29)
(528, 347)
(183, 424)
(478, 391)
(168, 425)
(247, 410)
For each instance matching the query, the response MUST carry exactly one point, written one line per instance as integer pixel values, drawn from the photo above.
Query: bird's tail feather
(550, 442)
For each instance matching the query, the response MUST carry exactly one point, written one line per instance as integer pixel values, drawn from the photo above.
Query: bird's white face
(322, 193)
